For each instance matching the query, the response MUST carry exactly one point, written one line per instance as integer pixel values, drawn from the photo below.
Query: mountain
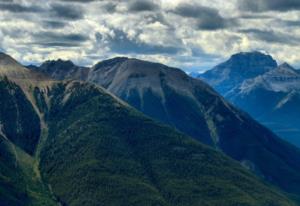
(73, 143)
(194, 74)
(273, 98)
(172, 97)
(62, 69)
(282, 79)
(20, 181)
(270, 94)
(225, 76)
(11, 68)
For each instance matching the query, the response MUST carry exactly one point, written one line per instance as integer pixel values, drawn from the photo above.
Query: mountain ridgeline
(271, 95)
(191, 106)
(225, 76)
(82, 146)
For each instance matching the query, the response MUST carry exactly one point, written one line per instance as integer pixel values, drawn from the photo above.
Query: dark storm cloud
(70, 12)
(120, 43)
(207, 18)
(15, 32)
(18, 8)
(198, 52)
(140, 6)
(269, 5)
(216, 23)
(189, 10)
(255, 16)
(106, 5)
(88, 1)
(79, 1)
(59, 40)
(58, 44)
(54, 24)
(289, 23)
(109, 7)
(271, 36)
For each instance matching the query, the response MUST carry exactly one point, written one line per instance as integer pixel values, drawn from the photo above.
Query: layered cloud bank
(193, 36)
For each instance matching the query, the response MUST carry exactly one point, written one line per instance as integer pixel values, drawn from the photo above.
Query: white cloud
(150, 31)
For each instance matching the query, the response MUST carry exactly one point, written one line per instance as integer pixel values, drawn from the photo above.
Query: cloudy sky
(194, 36)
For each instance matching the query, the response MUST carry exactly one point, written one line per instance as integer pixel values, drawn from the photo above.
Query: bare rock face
(282, 79)
(61, 69)
(238, 68)
(11, 68)
(153, 89)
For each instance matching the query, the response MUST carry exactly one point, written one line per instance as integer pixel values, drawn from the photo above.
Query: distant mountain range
(74, 143)
(191, 106)
(271, 94)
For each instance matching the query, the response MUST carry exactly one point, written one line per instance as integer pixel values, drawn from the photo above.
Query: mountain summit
(13, 70)
(6, 59)
(63, 69)
(238, 68)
